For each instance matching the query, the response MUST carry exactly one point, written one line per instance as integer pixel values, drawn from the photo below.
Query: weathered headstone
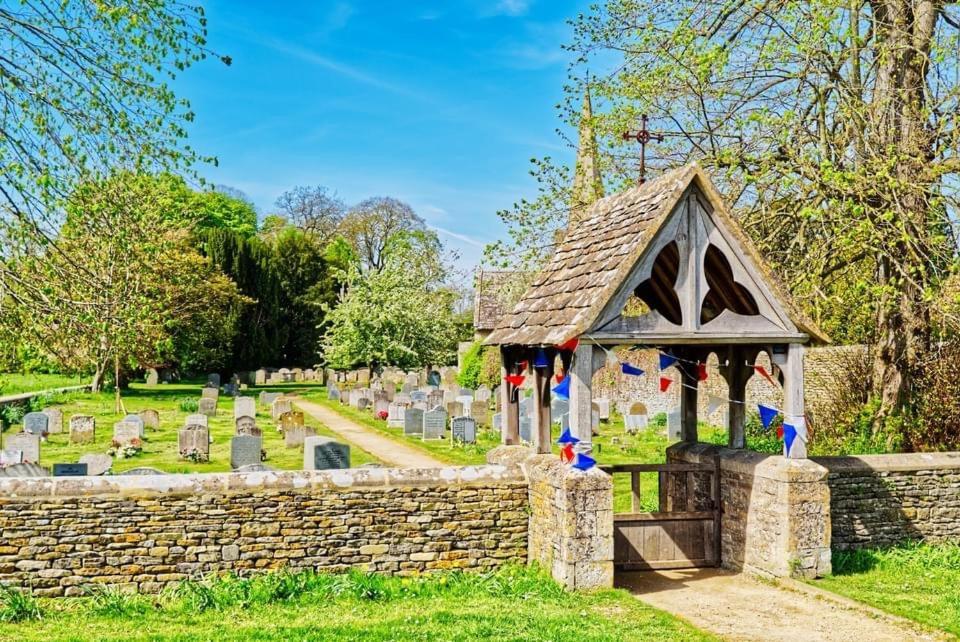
(324, 453)
(333, 393)
(207, 406)
(36, 423)
(135, 419)
(247, 426)
(210, 393)
(363, 403)
(260, 377)
(10, 457)
(480, 413)
(213, 380)
(245, 450)
(483, 393)
(267, 398)
(435, 424)
(636, 418)
(406, 388)
(126, 433)
(560, 411)
(230, 389)
(413, 421)
(463, 430)
(465, 400)
(294, 435)
(193, 442)
(674, 426)
(603, 406)
(27, 443)
(280, 406)
(70, 470)
(244, 407)
(526, 427)
(196, 420)
(24, 470)
(395, 414)
(97, 463)
(418, 395)
(150, 419)
(55, 420)
(153, 377)
(497, 421)
(435, 398)
(381, 406)
(403, 398)
(291, 419)
(455, 409)
(82, 429)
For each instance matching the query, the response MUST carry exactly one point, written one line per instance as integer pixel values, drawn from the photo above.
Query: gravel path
(390, 452)
(738, 607)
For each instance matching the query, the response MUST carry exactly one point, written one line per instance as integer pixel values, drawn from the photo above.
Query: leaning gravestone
(36, 423)
(28, 444)
(279, 407)
(245, 450)
(135, 419)
(82, 429)
(97, 463)
(193, 442)
(150, 419)
(463, 430)
(153, 377)
(24, 470)
(435, 424)
(413, 421)
(55, 420)
(480, 412)
(196, 420)
(244, 407)
(208, 407)
(125, 433)
(247, 426)
(324, 453)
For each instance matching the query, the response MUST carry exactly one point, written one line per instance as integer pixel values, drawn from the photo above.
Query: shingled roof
(597, 256)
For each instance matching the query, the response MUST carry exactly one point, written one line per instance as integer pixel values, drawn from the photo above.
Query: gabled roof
(598, 255)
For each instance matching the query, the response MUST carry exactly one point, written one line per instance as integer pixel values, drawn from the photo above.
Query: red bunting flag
(701, 372)
(570, 344)
(780, 432)
(763, 373)
(559, 376)
(567, 454)
(515, 379)
(665, 383)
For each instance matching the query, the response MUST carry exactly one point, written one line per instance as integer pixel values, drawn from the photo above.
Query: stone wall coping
(221, 483)
(898, 462)
(749, 462)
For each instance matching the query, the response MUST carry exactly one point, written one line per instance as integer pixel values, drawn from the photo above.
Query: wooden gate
(683, 533)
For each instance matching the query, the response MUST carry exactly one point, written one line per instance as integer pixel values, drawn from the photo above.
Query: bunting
(701, 372)
(665, 383)
(713, 404)
(760, 370)
(562, 389)
(559, 376)
(666, 360)
(767, 415)
(789, 435)
(566, 454)
(541, 360)
(569, 345)
(628, 369)
(567, 438)
(584, 462)
(515, 380)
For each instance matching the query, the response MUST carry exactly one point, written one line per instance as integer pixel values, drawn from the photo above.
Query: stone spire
(587, 184)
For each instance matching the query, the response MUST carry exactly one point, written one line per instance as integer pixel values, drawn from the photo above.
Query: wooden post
(793, 412)
(581, 397)
(688, 402)
(541, 404)
(737, 375)
(509, 406)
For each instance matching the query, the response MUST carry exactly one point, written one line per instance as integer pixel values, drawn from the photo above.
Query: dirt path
(738, 607)
(389, 451)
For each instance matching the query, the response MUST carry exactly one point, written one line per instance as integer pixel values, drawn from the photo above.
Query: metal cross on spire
(643, 136)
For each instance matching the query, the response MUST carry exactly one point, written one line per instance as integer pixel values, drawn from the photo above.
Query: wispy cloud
(336, 18)
(511, 7)
(469, 240)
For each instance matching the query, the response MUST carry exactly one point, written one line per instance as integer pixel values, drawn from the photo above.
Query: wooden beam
(509, 406)
(581, 397)
(793, 409)
(693, 338)
(541, 406)
(688, 400)
(737, 373)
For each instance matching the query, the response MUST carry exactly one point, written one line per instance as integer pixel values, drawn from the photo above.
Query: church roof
(598, 255)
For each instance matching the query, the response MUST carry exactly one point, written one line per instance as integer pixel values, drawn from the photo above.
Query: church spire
(587, 184)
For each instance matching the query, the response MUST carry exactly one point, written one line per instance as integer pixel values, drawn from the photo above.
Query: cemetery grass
(914, 580)
(160, 446)
(511, 604)
(12, 384)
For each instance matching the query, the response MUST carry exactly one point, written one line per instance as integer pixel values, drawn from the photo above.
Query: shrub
(936, 424)
(490, 367)
(18, 606)
(189, 405)
(110, 601)
(469, 375)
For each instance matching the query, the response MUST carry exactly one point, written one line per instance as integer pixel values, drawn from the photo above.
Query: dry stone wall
(60, 535)
(879, 500)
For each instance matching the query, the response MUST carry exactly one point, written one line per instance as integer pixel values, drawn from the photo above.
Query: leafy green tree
(374, 223)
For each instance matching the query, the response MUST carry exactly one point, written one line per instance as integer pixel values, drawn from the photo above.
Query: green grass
(12, 384)
(160, 446)
(507, 605)
(920, 582)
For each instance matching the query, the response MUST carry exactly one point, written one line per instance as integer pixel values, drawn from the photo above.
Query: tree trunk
(96, 383)
(117, 405)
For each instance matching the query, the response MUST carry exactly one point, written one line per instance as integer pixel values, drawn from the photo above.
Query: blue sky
(441, 104)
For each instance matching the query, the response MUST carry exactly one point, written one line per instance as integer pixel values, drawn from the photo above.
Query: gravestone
(135, 419)
(560, 411)
(406, 388)
(286, 375)
(247, 426)
(97, 463)
(420, 405)
(150, 419)
(483, 393)
(291, 419)
(435, 399)
(244, 407)
(280, 406)
(275, 377)
(324, 453)
(413, 421)
(10, 457)
(455, 409)
(435, 423)
(260, 377)
(230, 390)
(363, 403)
(497, 421)
(245, 450)
(526, 427)
(143, 470)
(210, 393)
(36, 423)
(255, 468)
(635, 418)
(434, 378)
(207, 406)
(465, 400)
(82, 429)
(403, 398)
(381, 406)
(55, 420)
(27, 443)
(395, 414)
(294, 435)
(213, 380)
(267, 398)
(195, 441)
(333, 393)
(152, 378)
(24, 470)
(196, 420)
(603, 406)
(418, 395)
(463, 430)
(674, 426)
(526, 406)
(125, 433)
(70, 470)
(480, 413)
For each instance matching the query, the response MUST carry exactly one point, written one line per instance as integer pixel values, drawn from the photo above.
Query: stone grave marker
(463, 430)
(207, 406)
(560, 411)
(635, 418)
(27, 443)
(381, 406)
(230, 389)
(435, 423)
(150, 419)
(137, 420)
(36, 423)
(54, 420)
(196, 420)
(10, 457)
(70, 470)
(286, 375)
(603, 406)
(125, 433)
(435, 398)
(280, 406)
(291, 419)
(244, 407)
(418, 395)
(213, 380)
(674, 424)
(24, 470)
(294, 435)
(395, 414)
(267, 398)
(455, 409)
(324, 453)
(245, 450)
(403, 398)
(466, 400)
(497, 421)
(413, 421)
(496, 399)
(260, 378)
(483, 393)
(153, 377)
(420, 405)
(406, 388)
(363, 403)
(275, 377)
(480, 413)
(333, 393)
(143, 470)
(194, 441)
(82, 429)
(210, 393)
(526, 427)
(255, 468)
(247, 426)
(97, 463)
(526, 405)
